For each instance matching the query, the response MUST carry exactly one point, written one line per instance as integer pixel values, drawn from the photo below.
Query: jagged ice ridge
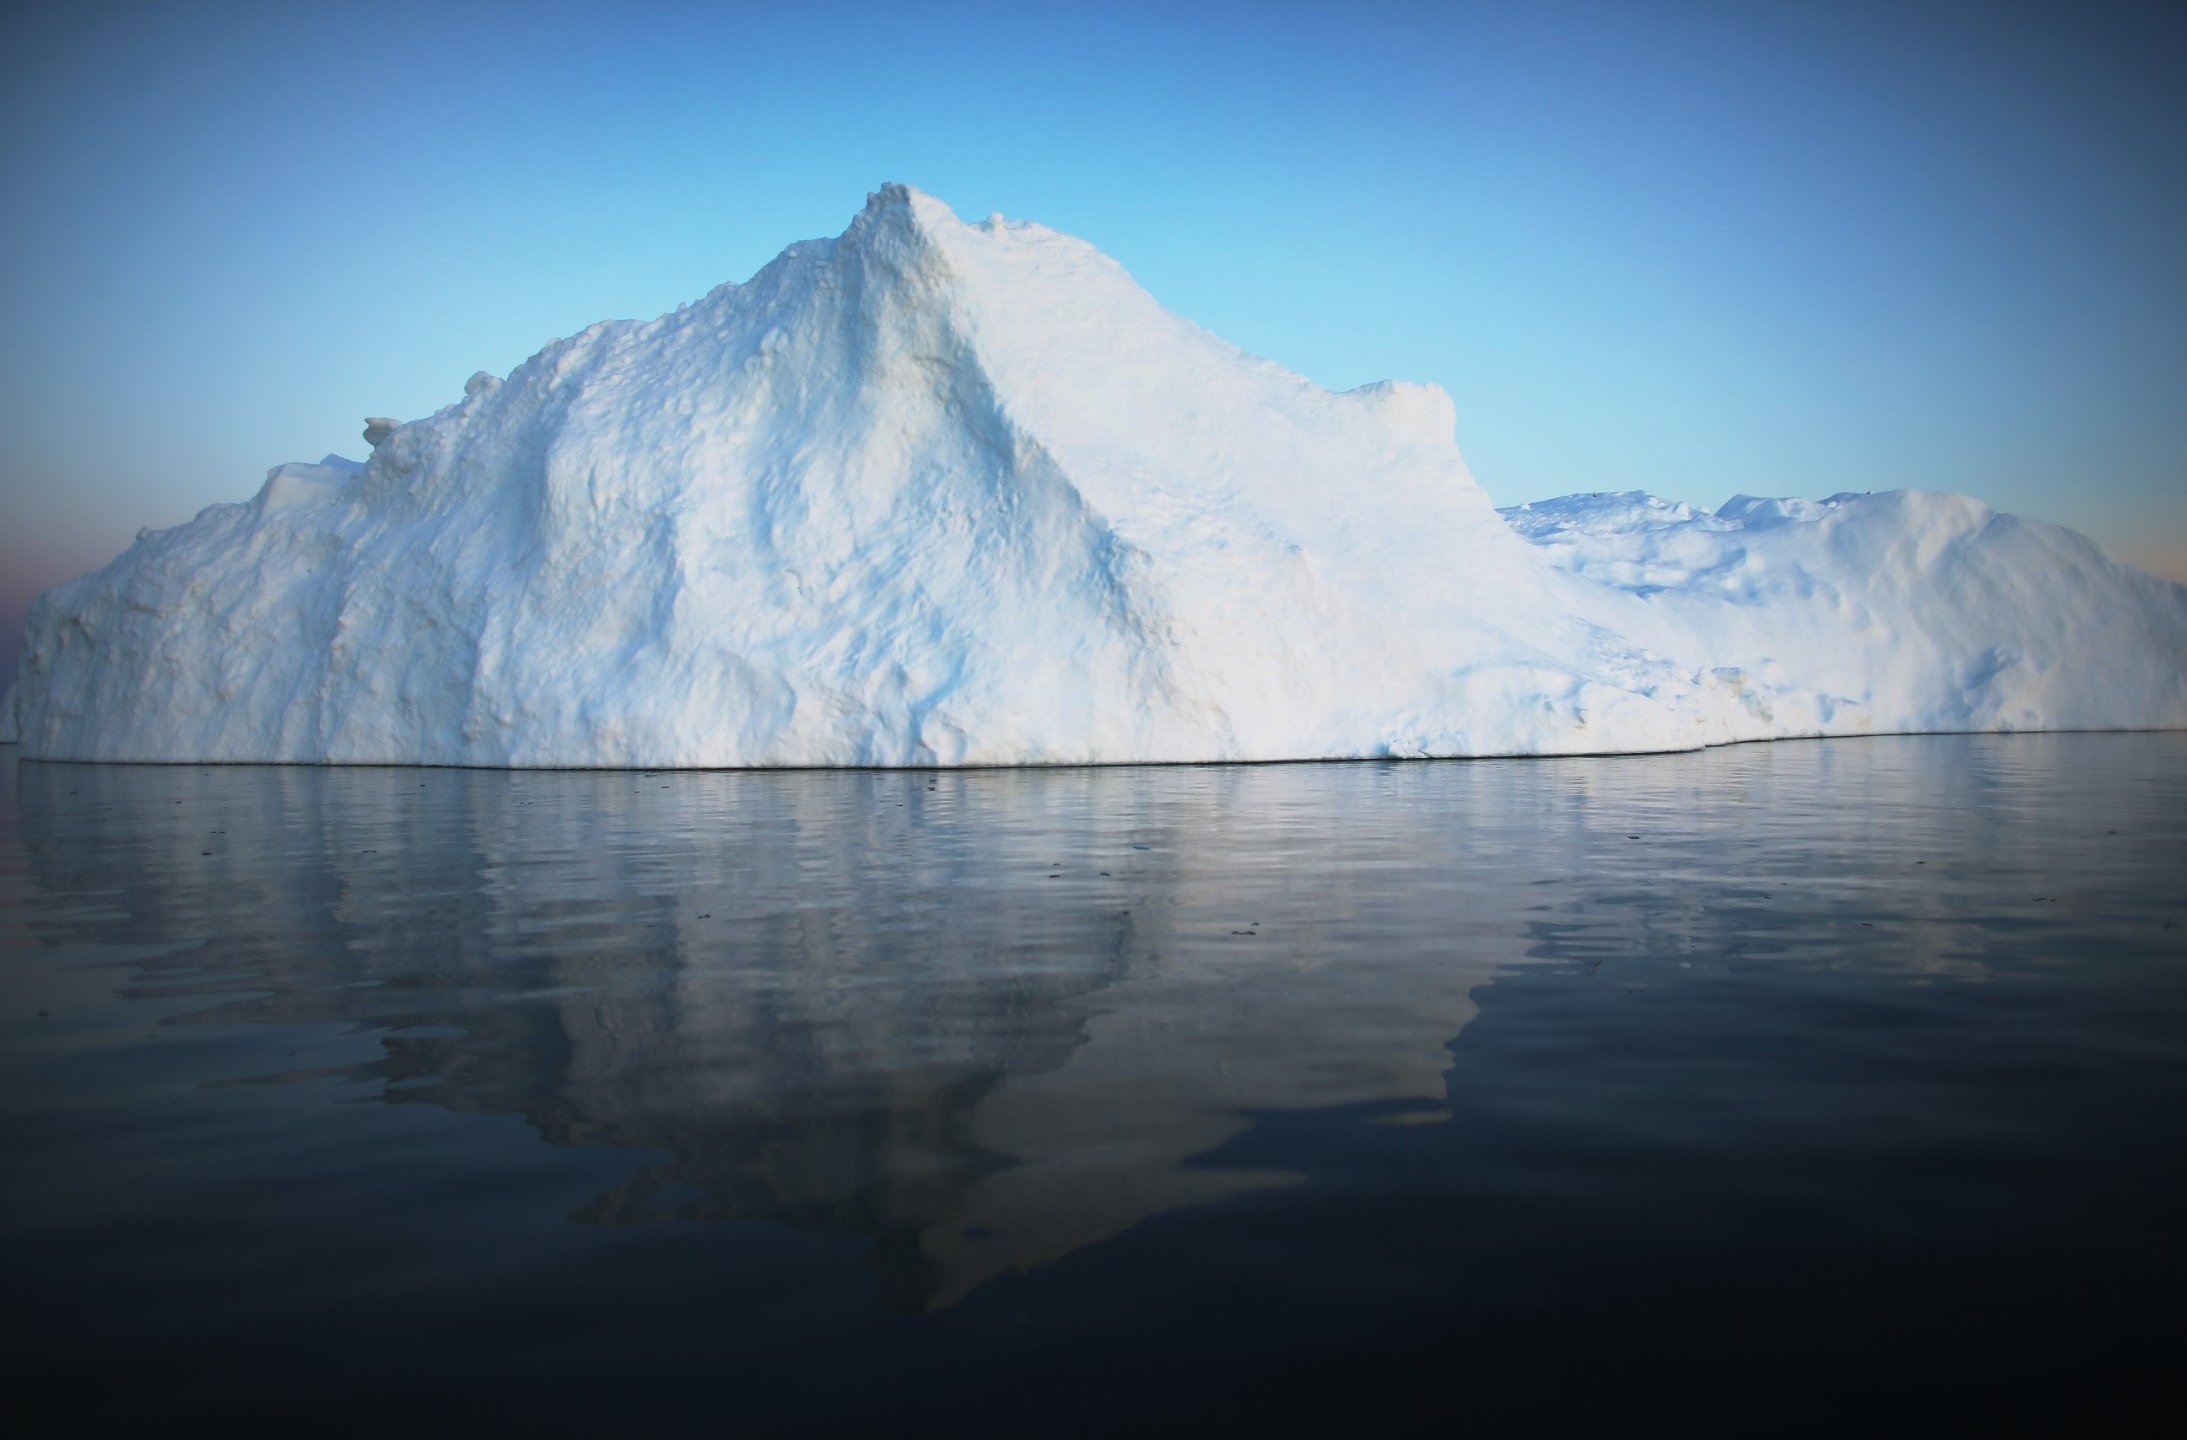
(936, 493)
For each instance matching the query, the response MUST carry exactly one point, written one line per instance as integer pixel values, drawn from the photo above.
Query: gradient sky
(1693, 248)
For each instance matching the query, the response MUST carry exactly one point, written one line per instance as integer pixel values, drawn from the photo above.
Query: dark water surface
(1790, 1086)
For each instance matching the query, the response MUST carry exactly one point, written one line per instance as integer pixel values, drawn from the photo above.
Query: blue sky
(1697, 249)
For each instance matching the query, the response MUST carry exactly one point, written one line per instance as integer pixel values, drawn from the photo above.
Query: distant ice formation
(933, 493)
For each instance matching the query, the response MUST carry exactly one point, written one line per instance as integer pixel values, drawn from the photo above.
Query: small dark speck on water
(1632, 837)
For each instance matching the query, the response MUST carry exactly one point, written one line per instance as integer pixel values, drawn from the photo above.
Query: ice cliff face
(938, 493)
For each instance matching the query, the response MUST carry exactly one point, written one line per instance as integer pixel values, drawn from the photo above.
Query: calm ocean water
(1789, 1086)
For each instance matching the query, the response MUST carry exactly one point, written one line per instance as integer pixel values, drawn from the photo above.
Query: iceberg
(947, 493)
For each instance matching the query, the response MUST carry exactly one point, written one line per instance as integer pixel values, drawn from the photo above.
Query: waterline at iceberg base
(937, 493)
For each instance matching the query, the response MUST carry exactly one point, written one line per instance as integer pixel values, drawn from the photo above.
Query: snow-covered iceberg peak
(944, 493)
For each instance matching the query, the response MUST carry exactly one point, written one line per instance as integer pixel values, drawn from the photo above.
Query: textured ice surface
(942, 493)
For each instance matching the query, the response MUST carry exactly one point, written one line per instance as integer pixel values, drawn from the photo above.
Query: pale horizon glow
(1696, 249)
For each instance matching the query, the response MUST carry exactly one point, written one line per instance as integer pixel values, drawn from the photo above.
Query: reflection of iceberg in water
(988, 1018)
(991, 1017)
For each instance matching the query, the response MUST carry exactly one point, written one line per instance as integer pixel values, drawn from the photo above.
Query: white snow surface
(936, 493)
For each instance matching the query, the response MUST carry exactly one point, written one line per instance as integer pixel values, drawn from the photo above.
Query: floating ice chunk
(933, 493)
